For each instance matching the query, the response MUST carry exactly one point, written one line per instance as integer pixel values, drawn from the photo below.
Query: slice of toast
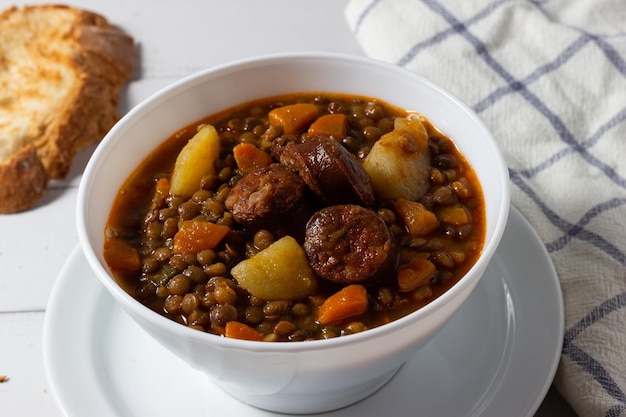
(61, 71)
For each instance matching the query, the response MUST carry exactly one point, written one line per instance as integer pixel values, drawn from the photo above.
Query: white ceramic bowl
(300, 377)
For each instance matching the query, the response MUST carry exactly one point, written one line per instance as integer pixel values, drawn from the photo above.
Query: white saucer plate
(497, 356)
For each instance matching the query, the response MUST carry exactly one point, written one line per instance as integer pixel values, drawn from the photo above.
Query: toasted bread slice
(61, 69)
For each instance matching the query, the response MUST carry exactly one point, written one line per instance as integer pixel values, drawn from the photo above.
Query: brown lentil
(206, 257)
(355, 327)
(284, 328)
(190, 303)
(220, 314)
(276, 308)
(179, 285)
(188, 210)
(253, 314)
(224, 294)
(195, 274)
(215, 269)
(199, 318)
(173, 304)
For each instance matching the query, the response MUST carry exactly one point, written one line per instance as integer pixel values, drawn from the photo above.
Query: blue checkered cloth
(549, 79)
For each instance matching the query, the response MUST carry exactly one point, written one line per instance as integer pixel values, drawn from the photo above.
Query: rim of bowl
(188, 82)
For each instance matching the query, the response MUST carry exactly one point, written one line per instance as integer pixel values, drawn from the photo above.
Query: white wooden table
(175, 39)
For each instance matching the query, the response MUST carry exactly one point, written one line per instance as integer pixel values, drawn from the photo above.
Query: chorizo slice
(349, 244)
(270, 197)
(330, 170)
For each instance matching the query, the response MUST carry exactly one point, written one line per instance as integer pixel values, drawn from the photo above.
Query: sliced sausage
(330, 170)
(349, 244)
(270, 197)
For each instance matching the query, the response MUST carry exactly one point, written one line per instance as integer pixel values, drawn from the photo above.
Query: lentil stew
(298, 217)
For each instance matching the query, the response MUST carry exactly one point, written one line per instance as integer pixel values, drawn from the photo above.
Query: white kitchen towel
(548, 77)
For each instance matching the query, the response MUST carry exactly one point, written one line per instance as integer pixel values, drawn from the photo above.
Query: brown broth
(127, 222)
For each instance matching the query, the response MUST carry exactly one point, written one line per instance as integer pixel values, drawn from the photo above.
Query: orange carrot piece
(347, 302)
(329, 125)
(161, 192)
(418, 219)
(248, 156)
(163, 186)
(293, 117)
(194, 236)
(238, 330)
(121, 256)
(415, 274)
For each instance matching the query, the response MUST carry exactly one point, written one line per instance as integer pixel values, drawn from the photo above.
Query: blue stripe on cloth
(595, 137)
(578, 231)
(616, 410)
(598, 313)
(439, 37)
(575, 230)
(363, 15)
(611, 54)
(596, 370)
(588, 363)
(500, 92)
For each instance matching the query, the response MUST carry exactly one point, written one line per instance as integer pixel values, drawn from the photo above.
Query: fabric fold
(549, 80)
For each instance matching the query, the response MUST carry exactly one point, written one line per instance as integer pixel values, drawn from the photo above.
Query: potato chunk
(279, 272)
(399, 161)
(195, 161)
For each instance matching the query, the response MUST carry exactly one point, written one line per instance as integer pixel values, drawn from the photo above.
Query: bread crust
(75, 97)
(23, 180)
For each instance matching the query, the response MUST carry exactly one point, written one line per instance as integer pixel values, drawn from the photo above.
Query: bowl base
(290, 402)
